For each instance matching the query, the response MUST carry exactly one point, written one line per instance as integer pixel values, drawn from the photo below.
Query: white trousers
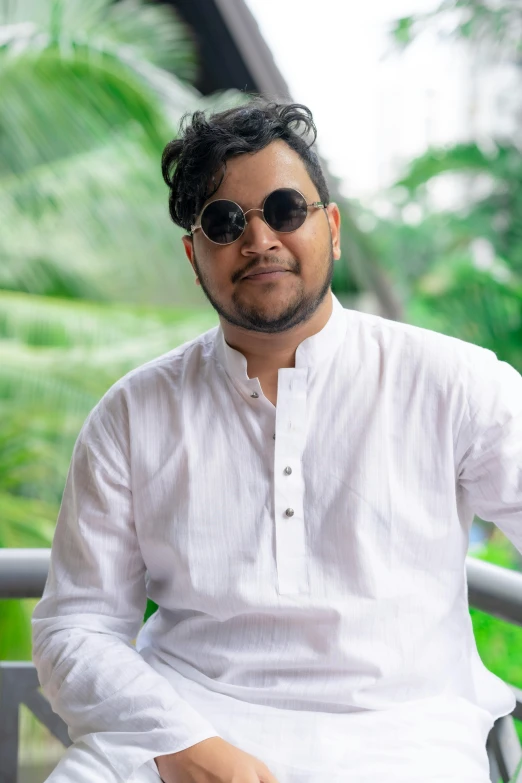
(81, 764)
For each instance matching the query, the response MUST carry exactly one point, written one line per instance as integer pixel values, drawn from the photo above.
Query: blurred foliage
(497, 24)
(493, 208)
(460, 271)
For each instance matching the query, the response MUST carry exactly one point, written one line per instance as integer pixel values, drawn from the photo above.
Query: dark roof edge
(255, 52)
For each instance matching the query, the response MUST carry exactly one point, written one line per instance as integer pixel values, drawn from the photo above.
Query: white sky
(372, 111)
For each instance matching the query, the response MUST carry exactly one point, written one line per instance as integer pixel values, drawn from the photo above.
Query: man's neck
(267, 353)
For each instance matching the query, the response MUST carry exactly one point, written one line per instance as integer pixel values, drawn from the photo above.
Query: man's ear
(188, 244)
(334, 219)
(189, 248)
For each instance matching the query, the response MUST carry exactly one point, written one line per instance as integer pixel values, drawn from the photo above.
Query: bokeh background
(418, 106)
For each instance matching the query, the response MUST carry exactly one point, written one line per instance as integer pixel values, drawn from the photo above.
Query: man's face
(308, 253)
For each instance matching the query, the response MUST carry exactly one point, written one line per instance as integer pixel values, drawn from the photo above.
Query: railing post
(9, 709)
(494, 772)
(19, 685)
(503, 746)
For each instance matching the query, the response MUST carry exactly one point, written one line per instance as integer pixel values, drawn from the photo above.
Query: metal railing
(23, 573)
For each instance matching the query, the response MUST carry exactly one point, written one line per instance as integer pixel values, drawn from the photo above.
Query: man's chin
(270, 319)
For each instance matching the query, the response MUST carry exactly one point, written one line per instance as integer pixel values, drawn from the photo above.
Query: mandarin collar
(312, 351)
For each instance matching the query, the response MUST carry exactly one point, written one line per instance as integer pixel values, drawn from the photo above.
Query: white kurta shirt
(308, 560)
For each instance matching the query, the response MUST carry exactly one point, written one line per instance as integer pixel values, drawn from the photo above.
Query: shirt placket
(290, 437)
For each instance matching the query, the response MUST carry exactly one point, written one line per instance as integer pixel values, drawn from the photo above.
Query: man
(294, 489)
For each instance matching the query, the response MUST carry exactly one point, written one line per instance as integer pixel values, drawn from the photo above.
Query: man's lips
(274, 274)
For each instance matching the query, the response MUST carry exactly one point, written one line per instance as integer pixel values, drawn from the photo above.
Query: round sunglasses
(284, 210)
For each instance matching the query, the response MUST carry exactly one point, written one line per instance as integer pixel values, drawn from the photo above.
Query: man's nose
(258, 237)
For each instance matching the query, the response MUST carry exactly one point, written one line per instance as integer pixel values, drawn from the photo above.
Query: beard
(256, 317)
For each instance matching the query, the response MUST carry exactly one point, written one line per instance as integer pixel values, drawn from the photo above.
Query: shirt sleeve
(91, 610)
(490, 466)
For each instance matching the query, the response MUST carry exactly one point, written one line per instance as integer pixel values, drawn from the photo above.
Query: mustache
(266, 260)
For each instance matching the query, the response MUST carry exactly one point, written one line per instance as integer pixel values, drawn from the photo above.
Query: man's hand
(213, 761)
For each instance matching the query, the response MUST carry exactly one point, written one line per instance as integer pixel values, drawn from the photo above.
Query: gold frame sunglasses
(284, 210)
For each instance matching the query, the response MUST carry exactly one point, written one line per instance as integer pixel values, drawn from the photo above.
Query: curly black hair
(193, 165)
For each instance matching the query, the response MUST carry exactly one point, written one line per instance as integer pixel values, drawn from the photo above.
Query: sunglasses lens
(222, 221)
(285, 210)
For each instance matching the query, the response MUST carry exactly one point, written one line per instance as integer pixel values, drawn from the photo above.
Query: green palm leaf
(58, 104)
(467, 158)
(155, 33)
(43, 321)
(458, 299)
(65, 354)
(84, 114)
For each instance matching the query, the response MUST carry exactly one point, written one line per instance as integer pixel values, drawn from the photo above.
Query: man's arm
(92, 608)
(490, 443)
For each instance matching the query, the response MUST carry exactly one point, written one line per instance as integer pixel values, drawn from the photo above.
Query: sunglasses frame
(317, 204)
